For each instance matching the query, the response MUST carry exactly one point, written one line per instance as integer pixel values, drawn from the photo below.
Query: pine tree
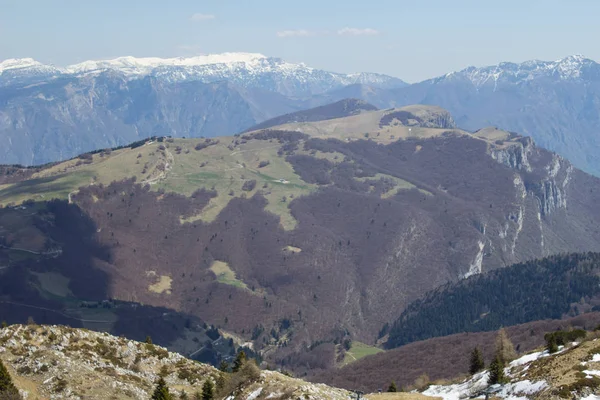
(208, 390)
(477, 363)
(224, 366)
(148, 340)
(497, 371)
(551, 344)
(4, 324)
(161, 392)
(7, 388)
(392, 388)
(239, 362)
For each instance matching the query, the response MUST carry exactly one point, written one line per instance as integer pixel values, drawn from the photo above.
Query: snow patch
(477, 265)
(255, 394)
(595, 358)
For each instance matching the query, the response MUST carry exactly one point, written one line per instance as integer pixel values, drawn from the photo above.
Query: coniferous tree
(551, 344)
(392, 388)
(497, 371)
(7, 387)
(161, 392)
(4, 324)
(224, 366)
(477, 363)
(148, 340)
(239, 362)
(208, 390)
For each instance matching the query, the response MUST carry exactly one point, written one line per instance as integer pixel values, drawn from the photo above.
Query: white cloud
(295, 33)
(198, 17)
(357, 32)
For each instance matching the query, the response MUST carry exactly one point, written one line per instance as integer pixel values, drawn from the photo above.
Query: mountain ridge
(261, 232)
(246, 69)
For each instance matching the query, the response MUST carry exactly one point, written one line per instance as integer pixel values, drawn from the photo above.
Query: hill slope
(521, 293)
(340, 109)
(300, 236)
(443, 358)
(60, 362)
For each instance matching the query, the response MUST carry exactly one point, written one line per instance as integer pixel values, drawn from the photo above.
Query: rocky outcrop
(515, 154)
(419, 115)
(65, 363)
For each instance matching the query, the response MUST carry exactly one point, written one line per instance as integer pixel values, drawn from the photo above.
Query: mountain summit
(570, 68)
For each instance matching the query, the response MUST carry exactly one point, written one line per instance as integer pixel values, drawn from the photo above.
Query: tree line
(531, 291)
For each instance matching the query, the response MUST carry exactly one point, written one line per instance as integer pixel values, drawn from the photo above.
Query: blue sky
(412, 40)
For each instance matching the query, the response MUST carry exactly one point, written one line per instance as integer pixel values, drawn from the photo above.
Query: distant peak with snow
(575, 67)
(21, 63)
(146, 64)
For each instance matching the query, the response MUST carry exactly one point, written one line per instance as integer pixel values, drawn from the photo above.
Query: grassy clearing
(226, 275)
(225, 171)
(292, 249)
(180, 169)
(400, 184)
(54, 283)
(61, 179)
(46, 188)
(162, 286)
(357, 351)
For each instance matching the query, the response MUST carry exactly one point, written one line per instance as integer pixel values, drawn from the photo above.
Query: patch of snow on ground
(595, 358)
(255, 394)
(526, 359)
(460, 390)
(523, 387)
(591, 372)
(591, 397)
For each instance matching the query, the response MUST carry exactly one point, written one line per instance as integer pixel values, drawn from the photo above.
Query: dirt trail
(170, 161)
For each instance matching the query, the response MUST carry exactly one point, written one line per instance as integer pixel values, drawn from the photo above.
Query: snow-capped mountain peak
(141, 66)
(21, 63)
(574, 67)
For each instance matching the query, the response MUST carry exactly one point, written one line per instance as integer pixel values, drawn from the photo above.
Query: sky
(412, 40)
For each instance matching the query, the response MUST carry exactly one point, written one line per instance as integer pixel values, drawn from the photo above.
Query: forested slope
(534, 290)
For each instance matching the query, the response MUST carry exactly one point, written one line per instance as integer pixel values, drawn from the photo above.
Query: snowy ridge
(250, 70)
(26, 65)
(575, 67)
(141, 66)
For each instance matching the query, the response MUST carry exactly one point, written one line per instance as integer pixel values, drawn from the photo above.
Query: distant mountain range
(247, 70)
(48, 113)
(556, 103)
